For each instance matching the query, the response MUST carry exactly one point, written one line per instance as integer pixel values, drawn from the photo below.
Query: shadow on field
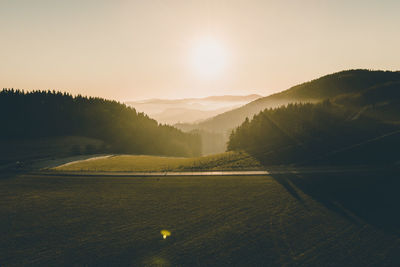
(9, 174)
(370, 196)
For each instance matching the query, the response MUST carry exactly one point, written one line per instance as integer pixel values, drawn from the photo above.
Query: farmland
(278, 220)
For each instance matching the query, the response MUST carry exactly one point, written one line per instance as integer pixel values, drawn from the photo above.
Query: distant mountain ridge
(222, 98)
(189, 110)
(186, 115)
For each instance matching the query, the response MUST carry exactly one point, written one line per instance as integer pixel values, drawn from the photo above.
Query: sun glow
(209, 58)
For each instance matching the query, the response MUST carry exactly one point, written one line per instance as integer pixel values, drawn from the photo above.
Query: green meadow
(141, 163)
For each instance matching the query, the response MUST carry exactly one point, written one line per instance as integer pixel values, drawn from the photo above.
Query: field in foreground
(134, 163)
(279, 220)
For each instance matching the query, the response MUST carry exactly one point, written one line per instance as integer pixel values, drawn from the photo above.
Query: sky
(132, 50)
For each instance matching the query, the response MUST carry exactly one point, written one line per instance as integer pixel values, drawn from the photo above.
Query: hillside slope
(329, 86)
(40, 114)
(356, 128)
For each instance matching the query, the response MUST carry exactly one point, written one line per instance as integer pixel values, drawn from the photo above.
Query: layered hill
(190, 110)
(333, 85)
(171, 116)
(330, 86)
(355, 128)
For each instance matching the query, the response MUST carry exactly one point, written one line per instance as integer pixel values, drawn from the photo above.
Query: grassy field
(124, 163)
(280, 220)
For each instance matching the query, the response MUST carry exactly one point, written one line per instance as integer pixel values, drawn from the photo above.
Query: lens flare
(165, 233)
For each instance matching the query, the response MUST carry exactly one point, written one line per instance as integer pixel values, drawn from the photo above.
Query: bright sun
(209, 58)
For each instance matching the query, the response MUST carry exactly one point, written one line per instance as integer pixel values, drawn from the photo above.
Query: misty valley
(199, 133)
(304, 177)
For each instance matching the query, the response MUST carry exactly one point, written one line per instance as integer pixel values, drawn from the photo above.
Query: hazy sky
(128, 50)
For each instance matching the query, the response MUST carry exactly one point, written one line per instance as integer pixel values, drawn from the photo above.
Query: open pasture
(279, 220)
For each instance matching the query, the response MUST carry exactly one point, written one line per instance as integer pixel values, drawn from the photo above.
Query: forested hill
(329, 86)
(41, 114)
(355, 128)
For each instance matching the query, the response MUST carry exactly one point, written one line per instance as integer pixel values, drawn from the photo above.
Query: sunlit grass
(126, 163)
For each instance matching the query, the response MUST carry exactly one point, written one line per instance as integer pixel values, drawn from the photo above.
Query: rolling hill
(355, 128)
(187, 115)
(40, 115)
(189, 110)
(329, 86)
(333, 85)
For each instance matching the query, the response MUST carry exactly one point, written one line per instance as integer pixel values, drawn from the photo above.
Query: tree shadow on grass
(286, 183)
(371, 196)
(291, 183)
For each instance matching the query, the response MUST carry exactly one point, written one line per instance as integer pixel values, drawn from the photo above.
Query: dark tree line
(50, 113)
(344, 82)
(298, 133)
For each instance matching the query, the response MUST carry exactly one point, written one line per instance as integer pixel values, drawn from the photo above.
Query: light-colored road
(156, 174)
(270, 171)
